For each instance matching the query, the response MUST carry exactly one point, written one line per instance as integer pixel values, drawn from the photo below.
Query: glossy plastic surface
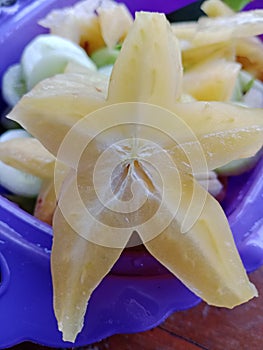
(139, 293)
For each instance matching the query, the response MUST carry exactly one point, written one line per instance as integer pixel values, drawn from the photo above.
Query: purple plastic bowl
(139, 293)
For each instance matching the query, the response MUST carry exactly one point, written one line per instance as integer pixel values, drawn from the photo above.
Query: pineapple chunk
(216, 8)
(213, 80)
(115, 22)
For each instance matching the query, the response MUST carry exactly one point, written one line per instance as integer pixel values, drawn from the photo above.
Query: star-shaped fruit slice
(133, 151)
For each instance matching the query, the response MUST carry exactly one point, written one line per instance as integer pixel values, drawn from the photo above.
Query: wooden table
(202, 327)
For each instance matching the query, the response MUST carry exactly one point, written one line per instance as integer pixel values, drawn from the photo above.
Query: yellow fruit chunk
(115, 21)
(184, 30)
(92, 24)
(249, 54)
(218, 29)
(213, 80)
(248, 50)
(29, 155)
(78, 23)
(195, 54)
(216, 8)
(224, 35)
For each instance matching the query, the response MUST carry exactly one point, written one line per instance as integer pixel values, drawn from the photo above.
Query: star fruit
(132, 151)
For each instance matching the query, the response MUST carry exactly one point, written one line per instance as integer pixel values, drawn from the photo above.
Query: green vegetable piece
(244, 83)
(237, 93)
(118, 47)
(248, 86)
(105, 56)
(237, 5)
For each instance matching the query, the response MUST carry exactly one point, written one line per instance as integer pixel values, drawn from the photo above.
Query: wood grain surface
(202, 327)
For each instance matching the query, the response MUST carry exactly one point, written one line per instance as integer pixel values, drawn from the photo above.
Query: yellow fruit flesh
(61, 100)
(196, 54)
(78, 266)
(224, 130)
(213, 80)
(249, 53)
(29, 155)
(48, 195)
(218, 29)
(141, 71)
(115, 23)
(225, 34)
(46, 202)
(187, 255)
(206, 263)
(215, 8)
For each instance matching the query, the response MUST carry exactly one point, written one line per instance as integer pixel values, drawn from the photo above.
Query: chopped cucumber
(254, 98)
(248, 91)
(243, 83)
(105, 56)
(13, 85)
(48, 55)
(246, 81)
(18, 182)
(106, 70)
(14, 134)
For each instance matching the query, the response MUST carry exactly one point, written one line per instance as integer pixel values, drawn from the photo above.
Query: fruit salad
(128, 125)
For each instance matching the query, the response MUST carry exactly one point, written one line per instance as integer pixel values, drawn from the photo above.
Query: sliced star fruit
(204, 257)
